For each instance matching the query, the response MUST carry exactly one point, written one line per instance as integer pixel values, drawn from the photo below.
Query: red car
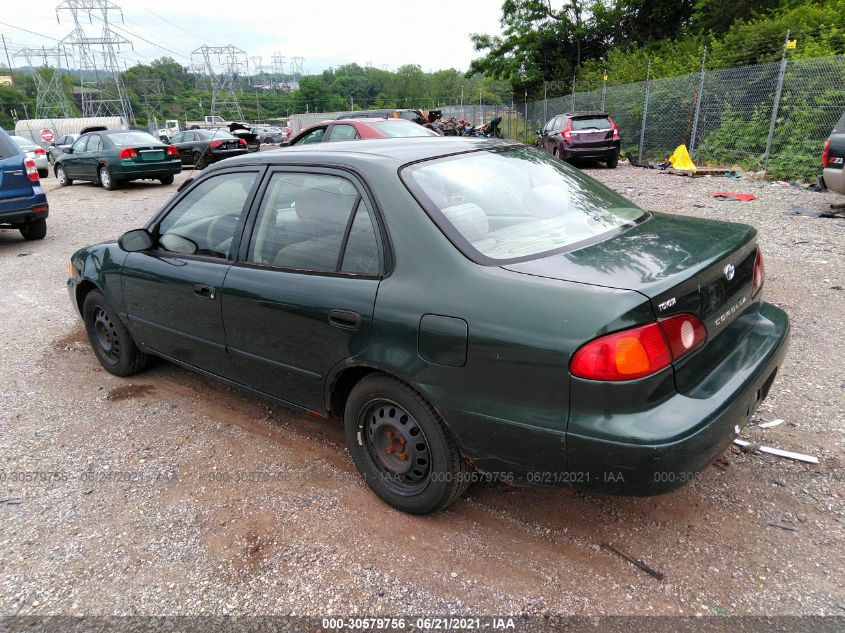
(354, 129)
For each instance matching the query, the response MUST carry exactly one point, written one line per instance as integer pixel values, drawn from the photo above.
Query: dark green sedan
(472, 310)
(110, 157)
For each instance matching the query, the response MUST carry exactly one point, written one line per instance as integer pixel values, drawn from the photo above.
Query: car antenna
(184, 184)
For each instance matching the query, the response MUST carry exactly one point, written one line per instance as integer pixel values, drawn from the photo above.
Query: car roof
(396, 151)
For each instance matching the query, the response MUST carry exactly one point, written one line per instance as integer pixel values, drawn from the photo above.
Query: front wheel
(106, 179)
(111, 341)
(167, 180)
(402, 447)
(50, 158)
(62, 177)
(34, 230)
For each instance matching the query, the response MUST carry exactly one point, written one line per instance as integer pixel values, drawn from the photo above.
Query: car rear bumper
(672, 443)
(834, 179)
(573, 152)
(148, 170)
(218, 155)
(25, 211)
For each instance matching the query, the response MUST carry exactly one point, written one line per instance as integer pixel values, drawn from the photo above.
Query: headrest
(469, 219)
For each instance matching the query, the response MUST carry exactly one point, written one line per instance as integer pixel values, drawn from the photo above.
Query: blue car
(23, 203)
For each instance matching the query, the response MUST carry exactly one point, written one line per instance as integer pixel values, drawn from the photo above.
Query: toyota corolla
(464, 306)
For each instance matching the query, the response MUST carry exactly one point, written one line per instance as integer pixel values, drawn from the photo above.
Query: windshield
(123, 139)
(591, 123)
(514, 204)
(401, 128)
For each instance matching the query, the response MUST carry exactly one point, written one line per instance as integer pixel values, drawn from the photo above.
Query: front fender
(99, 265)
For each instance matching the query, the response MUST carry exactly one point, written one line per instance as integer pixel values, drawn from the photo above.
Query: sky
(326, 33)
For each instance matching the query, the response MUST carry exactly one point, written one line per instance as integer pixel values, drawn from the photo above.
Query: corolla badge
(730, 271)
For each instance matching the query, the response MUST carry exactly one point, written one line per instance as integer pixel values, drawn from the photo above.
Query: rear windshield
(124, 139)
(206, 134)
(401, 128)
(587, 123)
(24, 143)
(516, 204)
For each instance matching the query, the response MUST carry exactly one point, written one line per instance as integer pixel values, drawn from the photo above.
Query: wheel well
(82, 291)
(342, 387)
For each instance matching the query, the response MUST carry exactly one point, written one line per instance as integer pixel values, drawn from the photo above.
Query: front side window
(178, 138)
(516, 204)
(205, 220)
(304, 222)
(314, 136)
(79, 146)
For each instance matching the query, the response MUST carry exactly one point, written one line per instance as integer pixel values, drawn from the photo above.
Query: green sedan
(471, 309)
(110, 157)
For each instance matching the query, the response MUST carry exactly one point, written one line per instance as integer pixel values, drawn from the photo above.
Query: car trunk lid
(681, 264)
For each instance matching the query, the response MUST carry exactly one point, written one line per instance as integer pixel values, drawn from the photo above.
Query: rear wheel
(167, 180)
(111, 341)
(62, 177)
(106, 179)
(34, 230)
(402, 447)
(613, 162)
(200, 161)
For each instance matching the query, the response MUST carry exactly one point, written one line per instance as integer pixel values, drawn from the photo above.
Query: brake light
(128, 152)
(826, 153)
(215, 144)
(639, 351)
(566, 131)
(171, 151)
(40, 151)
(241, 141)
(759, 273)
(31, 170)
(615, 129)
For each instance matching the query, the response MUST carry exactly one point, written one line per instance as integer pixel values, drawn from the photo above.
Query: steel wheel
(61, 176)
(396, 446)
(105, 178)
(105, 336)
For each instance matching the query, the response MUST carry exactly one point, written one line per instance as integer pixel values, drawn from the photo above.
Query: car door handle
(206, 292)
(345, 319)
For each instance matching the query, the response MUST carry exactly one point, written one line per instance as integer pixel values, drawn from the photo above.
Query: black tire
(64, 181)
(34, 230)
(110, 340)
(200, 162)
(167, 180)
(50, 158)
(613, 162)
(43, 173)
(435, 475)
(106, 179)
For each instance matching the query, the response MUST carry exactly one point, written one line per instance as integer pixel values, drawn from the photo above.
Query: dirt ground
(168, 493)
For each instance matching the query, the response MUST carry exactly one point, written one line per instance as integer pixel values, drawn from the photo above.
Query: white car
(36, 153)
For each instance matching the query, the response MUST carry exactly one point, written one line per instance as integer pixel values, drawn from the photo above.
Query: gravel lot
(168, 493)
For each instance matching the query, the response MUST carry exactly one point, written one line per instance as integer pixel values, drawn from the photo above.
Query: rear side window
(591, 123)
(516, 204)
(7, 147)
(95, 144)
(343, 133)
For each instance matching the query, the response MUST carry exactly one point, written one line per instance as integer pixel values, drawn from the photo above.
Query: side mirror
(539, 132)
(69, 149)
(136, 240)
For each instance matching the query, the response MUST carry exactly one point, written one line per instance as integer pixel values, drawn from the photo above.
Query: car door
(90, 158)
(300, 300)
(73, 162)
(549, 137)
(173, 291)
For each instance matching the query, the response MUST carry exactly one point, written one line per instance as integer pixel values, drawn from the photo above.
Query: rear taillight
(241, 141)
(759, 273)
(566, 131)
(128, 152)
(615, 129)
(40, 151)
(639, 351)
(215, 144)
(171, 151)
(826, 153)
(31, 169)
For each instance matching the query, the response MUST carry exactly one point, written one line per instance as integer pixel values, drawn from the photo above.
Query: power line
(181, 28)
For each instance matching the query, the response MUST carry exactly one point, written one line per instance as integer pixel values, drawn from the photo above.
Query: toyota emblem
(730, 271)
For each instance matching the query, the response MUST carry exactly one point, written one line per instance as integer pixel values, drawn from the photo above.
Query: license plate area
(150, 155)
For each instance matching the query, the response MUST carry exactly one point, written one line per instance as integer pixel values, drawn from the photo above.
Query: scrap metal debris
(770, 424)
(836, 212)
(649, 570)
(733, 196)
(776, 451)
(783, 526)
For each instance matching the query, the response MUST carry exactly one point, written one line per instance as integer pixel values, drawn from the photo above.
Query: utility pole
(8, 61)
(776, 104)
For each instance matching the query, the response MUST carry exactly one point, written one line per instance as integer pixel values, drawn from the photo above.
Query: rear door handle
(206, 292)
(345, 319)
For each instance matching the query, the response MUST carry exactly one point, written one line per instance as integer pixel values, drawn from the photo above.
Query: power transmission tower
(297, 66)
(278, 63)
(223, 66)
(50, 100)
(152, 96)
(100, 82)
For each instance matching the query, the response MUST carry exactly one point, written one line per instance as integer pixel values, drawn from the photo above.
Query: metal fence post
(525, 129)
(697, 104)
(776, 104)
(603, 89)
(645, 111)
(545, 101)
(573, 93)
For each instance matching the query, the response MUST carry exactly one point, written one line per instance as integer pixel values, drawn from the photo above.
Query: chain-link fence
(773, 116)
